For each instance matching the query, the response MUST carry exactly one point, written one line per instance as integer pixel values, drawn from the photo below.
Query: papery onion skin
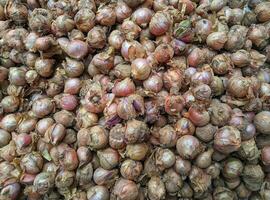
(227, 139)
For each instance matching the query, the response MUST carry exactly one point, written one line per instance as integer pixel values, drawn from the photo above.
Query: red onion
(140, 69)
(163, 53)
(96, 37)
(69, 102)
(85, 19)
(106, 15)
(142, 16)
(160, 23)
(124, 88)
(72, 86)
(174, 104)
(199, 117)
(188, 147)
(132, 50)
(75, 49)
(227, 139)
(130, 29)
(122, 11)
(116, 39)
(104, 61)
(216, 40)
(153, 83)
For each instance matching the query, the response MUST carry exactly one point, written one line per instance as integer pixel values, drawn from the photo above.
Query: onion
(261, 120)
(122, 11)
(163, 53)
(238, 86)
(124, 88)
(106, 16)
(75, 49)
(116, 39)
(130, 29)
(85, 19)
(132, 50)
(42, 107)
(96, 37)
(198, 117)
(69, 102)
(140, 69)
(216, 40)
(227, 139)
(125, 189)
(153, 83)
(142, 16)
(160, 23)
(188, 147)
(174, 104)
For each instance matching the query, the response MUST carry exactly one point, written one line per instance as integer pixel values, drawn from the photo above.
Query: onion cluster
(134, 99)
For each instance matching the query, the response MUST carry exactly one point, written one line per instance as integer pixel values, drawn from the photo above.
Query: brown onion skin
(227, 139)
(125, 189)
(261, 121)
(140, 69)
(122, 11)
(159, 24)
(85, 19)
(163, 53)
(184, 127)
(124, 88)
(131, 169)
(188, 146)
(97, 192)
(42, 107)
(142, 16)
(198, 117)
(265, 155)
(106, 16)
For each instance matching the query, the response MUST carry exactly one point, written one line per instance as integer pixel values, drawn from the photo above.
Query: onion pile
(134, 99)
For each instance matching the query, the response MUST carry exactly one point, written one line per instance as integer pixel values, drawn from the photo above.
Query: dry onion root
(134, 99)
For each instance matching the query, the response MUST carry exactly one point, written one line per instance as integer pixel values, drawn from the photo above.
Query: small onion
(140, 69)
(106, 16)
(160, 23)
(131, 169)
(124, 88)
(142, 16)
(122, 11)
(261, 121)
(198, 117)
(188, 146)
(108, 158)
(227, 139)
(163, 53)
(98, 192)
(125, 189)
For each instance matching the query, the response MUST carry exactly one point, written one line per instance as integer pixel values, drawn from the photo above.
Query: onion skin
(227, 139)
(261, 121)
(159, 24)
